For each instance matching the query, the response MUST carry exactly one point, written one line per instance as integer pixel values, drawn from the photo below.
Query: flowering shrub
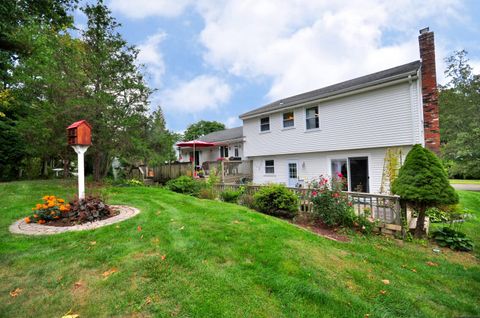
(330, 205)
(52, 208)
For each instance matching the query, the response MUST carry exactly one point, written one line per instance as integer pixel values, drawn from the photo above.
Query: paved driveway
(468, 187)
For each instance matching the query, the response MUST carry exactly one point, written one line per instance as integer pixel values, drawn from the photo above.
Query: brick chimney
(431, 123)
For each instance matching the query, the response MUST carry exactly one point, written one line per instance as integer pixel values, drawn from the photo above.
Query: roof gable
(336, 89)
(78, 123)
(223, 135)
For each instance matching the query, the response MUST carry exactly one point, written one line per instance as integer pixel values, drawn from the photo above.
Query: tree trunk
(66, 167)
(97, 164)
(419, 229)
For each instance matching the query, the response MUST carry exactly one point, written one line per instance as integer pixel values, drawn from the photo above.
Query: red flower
(314, 193)
(340, 175)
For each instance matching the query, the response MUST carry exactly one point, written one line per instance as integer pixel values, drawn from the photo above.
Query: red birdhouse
(79, 133)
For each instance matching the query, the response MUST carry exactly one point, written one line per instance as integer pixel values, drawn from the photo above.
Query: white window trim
(306, 119)
(265, 167)
(283, 120)
(269, 125)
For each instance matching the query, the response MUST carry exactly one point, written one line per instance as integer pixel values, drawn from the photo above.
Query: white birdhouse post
(79, 137)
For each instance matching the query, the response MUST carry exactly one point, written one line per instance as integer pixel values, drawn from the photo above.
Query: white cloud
(151, 56)
(233, 121)
(303, 45)
(142, 8)
(475, 64)
(204, 92)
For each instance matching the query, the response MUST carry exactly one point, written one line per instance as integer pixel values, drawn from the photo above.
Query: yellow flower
(45, 197)
(38, 206)
(27, 220)
(60, 200)
(44, 206)
(51, 204)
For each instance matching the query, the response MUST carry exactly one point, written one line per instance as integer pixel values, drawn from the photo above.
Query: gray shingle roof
(343, 87)
(223, 135)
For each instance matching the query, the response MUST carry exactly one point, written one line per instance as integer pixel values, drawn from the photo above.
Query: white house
(346, 127)
(227, 144)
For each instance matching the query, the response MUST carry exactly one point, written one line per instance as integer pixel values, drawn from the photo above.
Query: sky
(214, 60)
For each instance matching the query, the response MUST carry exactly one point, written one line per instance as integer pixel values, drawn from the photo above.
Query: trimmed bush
(276, 200)
(185, 185)
(230, 195)
(423, 183)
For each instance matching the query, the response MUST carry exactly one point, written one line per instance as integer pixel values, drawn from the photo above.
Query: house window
(288, 120)
(269, 166)
(265, 124)
(236, 151)
(224, 151)
(313, 121)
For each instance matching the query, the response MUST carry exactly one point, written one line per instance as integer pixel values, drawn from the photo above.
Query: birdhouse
(79, 133)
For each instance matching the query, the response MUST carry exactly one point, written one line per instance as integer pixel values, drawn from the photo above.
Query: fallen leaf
(386, 281)
(236, 222)
(15, 292)
(141, 237)
(383, 292)
(431, 263)
(93, 242)
(164, 257)
(139, 228)
(182, 228)
(78, 284)
(70, 315)
(109, 272)
(403, 266)
(117, 226)
(366, 316)
(148, 300)
(414, 270)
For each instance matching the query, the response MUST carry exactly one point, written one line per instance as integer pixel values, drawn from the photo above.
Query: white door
(292, 173)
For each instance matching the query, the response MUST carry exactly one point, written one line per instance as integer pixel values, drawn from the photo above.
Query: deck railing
(384, 208)
(235, 171)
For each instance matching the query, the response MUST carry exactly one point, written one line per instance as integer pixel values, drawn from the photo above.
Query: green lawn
(461, 181)
(197, 258)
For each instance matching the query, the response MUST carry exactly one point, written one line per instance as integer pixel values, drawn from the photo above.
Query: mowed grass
(461, 181)
(186, 257)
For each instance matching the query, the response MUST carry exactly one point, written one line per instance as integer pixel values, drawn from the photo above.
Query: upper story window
(312, 119)
(269, 166)
(265, 124)
(288, 120)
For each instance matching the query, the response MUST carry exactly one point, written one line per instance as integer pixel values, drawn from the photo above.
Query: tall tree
(459, 102)
(117, 94)
(201, 128)
(160, 140)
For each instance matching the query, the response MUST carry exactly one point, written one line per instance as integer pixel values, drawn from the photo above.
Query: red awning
(196, 143)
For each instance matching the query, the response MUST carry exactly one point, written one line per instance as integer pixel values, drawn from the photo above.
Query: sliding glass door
(354, 170)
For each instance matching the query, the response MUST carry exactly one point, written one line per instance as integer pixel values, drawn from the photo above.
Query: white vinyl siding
(312, 165)
(384, 117)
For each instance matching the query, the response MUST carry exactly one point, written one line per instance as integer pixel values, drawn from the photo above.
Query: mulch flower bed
(54, 211)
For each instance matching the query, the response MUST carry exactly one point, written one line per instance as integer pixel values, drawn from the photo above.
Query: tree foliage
(201, 128)
(423, 182)
(63, 79)
(459, 102)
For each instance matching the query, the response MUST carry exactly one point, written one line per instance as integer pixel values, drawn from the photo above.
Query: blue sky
(214, 60)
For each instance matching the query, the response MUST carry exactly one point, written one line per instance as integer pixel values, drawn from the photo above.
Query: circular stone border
(21, 227)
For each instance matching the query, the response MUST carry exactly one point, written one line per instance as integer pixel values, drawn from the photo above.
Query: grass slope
(221, 260)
